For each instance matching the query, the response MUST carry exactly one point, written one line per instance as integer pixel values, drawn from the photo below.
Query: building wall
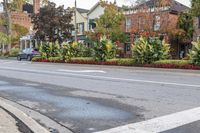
(168, 24)
(145, 22)
(95, 13)
(98, 11)
(81, 18)
(22, 19)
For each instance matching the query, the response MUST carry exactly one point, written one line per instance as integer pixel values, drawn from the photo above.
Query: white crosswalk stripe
(159, 124)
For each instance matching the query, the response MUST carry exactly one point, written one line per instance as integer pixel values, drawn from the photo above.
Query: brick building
(155, 18)
(23, 17)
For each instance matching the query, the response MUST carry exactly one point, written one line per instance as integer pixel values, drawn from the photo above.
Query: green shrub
(69, 50)
(123, 61)
(174, 62)
(194, 53)
(85, 51)
(148, 50)
(56, 59)
(126, 62)
(82, 59)
(14, 52)
(104, 49)
(36, 59)
(49, 49)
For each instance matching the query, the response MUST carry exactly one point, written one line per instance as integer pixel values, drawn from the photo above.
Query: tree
(16, 5)
(3, 42)
(195, 7)
(8, 22)
(53, 23)
(9, 6)
(109, 24)
(17, 32)
(185, 23)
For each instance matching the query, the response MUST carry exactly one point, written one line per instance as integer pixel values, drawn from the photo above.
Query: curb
(28, 121)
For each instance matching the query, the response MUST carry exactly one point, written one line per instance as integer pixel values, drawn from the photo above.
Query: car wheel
(19, 58)
(29, 58)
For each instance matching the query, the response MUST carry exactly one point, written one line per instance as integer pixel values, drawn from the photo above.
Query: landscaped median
(169, 64)
(146, 52)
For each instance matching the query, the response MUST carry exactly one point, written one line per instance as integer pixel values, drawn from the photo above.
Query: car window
(24, 51)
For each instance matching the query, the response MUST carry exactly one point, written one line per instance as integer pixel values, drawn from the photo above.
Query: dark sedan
(28, 54)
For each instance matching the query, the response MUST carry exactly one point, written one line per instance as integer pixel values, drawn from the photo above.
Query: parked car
(28, 54)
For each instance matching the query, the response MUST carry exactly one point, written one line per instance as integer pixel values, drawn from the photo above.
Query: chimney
(36, 6)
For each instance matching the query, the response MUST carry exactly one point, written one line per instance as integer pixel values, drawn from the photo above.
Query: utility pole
(75, 19)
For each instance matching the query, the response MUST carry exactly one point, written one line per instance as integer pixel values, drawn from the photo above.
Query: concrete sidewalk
(13, 120)
(7, 123)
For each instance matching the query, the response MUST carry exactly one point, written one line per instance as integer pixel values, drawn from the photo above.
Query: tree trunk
(9, 24)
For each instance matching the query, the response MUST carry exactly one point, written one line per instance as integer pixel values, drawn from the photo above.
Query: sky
(87, 4)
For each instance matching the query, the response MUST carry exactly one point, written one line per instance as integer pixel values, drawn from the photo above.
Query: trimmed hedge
(169, 64)
(174, 62)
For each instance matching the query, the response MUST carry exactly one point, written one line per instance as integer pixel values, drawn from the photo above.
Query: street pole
(75, 19)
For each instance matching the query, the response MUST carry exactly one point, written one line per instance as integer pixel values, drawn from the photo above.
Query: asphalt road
(93, 98)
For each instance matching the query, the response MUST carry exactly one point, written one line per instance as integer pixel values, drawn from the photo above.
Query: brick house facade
(23, 17)
(153, 19)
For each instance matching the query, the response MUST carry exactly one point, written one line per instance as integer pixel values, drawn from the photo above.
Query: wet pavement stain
(3, 83)
(85, 115)
(74, 107)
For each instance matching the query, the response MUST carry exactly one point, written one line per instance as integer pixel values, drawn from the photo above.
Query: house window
(80, 28)
(140, 24)
(128, 24)
(92, 24)
(156, 25)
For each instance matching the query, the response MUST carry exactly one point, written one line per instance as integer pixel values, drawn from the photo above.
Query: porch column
(36, 44)
(3, 48)
(31, 45)
(25, 44)
(20, 44)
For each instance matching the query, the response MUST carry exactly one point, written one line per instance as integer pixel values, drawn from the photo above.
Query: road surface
(89, 98)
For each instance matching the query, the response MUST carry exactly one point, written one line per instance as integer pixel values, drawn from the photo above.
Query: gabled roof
(81, 10)
(175, 6)
(178, 7)
(94, 7)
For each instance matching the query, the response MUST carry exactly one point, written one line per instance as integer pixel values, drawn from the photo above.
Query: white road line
(101, 77)
(81, 71)
(7, 62)
(159, 124)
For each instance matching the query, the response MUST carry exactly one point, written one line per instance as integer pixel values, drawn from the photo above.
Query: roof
(178, 7)
(94, 7)
(81, 10)
(175, 6)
